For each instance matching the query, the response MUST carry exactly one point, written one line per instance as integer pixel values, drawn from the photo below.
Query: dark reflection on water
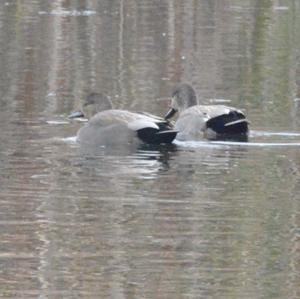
(194, 220)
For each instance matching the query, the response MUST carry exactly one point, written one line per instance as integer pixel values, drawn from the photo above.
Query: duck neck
(191, 101)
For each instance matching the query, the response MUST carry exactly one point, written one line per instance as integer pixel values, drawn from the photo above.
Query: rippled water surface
(192, 220)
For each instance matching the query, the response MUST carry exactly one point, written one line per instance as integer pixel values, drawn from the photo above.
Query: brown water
(196, 220)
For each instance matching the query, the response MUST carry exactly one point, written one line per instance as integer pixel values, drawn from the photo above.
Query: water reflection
(198, 220)
(143, 161)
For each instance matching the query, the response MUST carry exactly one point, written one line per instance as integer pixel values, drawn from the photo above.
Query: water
(194, 220)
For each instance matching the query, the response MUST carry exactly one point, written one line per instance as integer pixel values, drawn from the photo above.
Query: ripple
(57, 122)
(199, 144)
(219, 144)
(253, 134)
(220, 101)
(69, 140)
(259, 144)
(283, 8)
(69, 13)
(271, 134)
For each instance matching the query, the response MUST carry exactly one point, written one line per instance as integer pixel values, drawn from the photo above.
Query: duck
(107, 126)
(196, 122)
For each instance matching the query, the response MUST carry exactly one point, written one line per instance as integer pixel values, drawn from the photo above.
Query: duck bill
(170, 113)
(76, 114)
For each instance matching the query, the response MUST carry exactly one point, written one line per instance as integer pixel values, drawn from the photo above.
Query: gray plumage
(107, 126)
(210, 121)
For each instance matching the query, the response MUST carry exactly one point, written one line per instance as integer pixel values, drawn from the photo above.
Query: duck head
(94, 103)
(183, 97)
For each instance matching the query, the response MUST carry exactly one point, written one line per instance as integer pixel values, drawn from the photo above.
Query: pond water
(192, 220)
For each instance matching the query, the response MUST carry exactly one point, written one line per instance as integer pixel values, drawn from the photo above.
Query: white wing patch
(142, 124)
(243, 120)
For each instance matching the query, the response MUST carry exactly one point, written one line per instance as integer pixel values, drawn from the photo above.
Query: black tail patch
(166, 136)
(155, 136)
(218, 124)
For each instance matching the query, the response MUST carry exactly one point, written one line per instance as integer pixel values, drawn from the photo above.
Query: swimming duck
(210, 121)
(108, 126)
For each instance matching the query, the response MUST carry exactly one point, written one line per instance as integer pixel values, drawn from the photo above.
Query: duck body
(116, 127)
(212, 122)
(209, 121)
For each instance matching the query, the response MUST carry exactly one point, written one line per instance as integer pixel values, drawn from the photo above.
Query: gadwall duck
(107, 126)
(210, 121)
